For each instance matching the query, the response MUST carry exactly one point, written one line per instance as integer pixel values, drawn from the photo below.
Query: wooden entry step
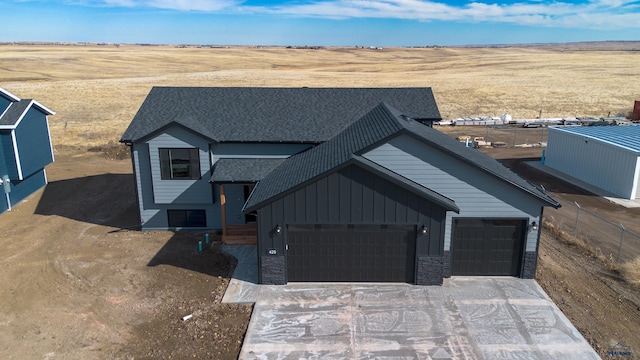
(241, 234)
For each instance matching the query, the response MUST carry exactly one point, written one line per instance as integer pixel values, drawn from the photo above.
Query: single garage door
(487, 246)
(365, 253)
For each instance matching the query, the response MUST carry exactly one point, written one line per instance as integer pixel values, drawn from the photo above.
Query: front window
(187, 218)
(177, 164)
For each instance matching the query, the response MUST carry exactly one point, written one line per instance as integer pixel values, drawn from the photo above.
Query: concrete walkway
(466, 318)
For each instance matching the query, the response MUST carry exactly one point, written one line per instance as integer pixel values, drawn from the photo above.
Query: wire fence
(615, 240)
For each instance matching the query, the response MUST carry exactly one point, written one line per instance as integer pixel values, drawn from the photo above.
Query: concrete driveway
(466, 318)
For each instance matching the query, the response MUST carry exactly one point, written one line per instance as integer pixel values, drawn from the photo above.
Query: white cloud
(600, 13)
(191, 5)
(123, 3)
(180, 5)
(594, 14)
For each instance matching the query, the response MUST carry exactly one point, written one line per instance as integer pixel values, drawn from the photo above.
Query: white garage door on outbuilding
(607, 157)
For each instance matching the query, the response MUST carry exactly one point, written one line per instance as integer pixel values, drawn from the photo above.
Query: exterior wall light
(278, 229)
(423, 230)
(533, 226)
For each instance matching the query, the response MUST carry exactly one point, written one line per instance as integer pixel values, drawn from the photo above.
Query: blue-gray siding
(33, 142)
(21, 189)
(609, 167)
(4, 104)
(156, 196)
(153, 215)
(9, 157)
(3, 158)
(180, 191)
(477, 193)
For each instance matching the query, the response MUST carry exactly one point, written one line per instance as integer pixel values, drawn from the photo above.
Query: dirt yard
(78, 285)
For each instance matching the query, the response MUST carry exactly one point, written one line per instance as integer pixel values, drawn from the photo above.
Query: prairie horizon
(97, 89)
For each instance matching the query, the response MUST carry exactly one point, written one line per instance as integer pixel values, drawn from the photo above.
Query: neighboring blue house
(339, 184)
(25, 148)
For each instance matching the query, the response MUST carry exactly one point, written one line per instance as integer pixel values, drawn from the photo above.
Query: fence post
(621, 240)
(575, 230)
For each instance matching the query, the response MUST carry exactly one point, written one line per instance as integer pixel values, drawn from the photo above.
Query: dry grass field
(96, 90)
(76, 284)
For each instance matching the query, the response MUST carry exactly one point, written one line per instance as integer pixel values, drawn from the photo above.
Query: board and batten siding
(351, 195)
(601, 164)
(477, 193)
(33, 142)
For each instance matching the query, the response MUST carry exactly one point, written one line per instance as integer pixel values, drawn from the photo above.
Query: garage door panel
(487, 247)
(351, 253)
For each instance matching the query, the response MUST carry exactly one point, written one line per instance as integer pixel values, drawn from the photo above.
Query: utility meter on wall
(6, 185)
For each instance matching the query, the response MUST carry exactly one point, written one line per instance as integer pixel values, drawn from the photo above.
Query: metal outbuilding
(607, 157)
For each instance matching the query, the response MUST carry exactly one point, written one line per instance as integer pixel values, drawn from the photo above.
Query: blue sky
(320, 22)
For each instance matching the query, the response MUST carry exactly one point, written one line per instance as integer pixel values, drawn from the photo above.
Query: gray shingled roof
(15, 111)
(242, 170)
(381, 123)
(309, 115)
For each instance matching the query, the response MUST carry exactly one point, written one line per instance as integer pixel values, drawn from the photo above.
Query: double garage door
(354, 253)
(386, 253)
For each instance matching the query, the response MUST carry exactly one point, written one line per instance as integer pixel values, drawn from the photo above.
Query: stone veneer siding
(446, 266)
(530, 265)
(429, 270)
(273, 270)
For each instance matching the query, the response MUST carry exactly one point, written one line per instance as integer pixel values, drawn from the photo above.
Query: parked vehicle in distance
(531, 125)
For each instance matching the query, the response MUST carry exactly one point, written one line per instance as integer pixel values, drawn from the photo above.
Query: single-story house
(25, 148)
(341, 184)
(607, 157)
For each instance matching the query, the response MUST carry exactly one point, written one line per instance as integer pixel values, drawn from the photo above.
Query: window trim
(167, 169)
